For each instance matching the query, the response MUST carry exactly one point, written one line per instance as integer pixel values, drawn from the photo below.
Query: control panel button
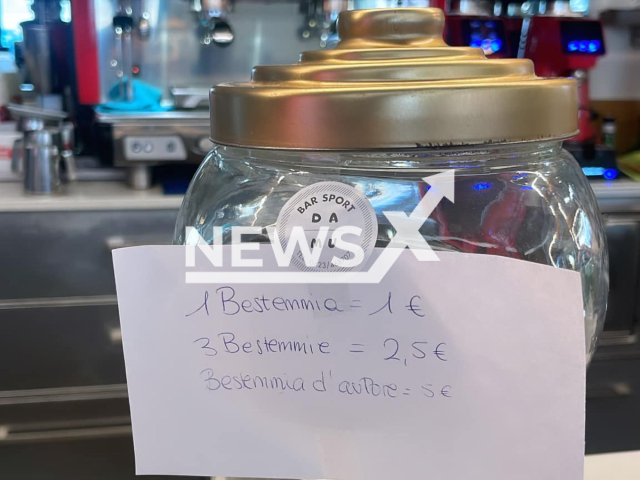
(155, 148)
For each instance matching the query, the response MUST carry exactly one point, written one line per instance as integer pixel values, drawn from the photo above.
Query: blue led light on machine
(608, 173)
(584, 46)
(488, 45)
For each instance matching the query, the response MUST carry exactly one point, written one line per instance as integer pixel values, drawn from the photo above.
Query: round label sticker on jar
(332, 225)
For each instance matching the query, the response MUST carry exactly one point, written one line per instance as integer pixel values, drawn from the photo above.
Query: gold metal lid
(392, 82)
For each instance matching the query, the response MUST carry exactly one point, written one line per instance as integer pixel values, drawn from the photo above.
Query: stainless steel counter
(617, 196)
(63, 400)
(66, 380)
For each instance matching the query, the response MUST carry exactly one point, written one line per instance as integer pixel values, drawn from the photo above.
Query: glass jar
(516, 197)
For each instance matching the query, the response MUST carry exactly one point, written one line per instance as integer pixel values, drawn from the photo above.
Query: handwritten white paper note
(471, 367)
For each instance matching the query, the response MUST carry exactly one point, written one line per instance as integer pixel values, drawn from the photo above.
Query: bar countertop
(617, 195)
(612, 466)
(86, 196)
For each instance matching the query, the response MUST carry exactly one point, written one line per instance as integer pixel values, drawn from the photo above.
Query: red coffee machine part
(498, 37)
(441, 4)
(86, 52)
(564, 47)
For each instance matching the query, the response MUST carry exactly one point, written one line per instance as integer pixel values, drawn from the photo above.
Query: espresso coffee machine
(569, 46)
(560, 41)
(149, 68)
(147, 65)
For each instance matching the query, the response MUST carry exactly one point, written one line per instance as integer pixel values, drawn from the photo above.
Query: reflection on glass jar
(527, 201)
